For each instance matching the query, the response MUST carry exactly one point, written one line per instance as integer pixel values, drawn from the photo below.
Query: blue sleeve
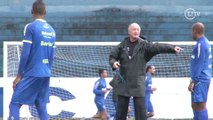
(148, 84)
(27, 42)
(197, 61)
(24, 58)
(96, 89)
(28, 33)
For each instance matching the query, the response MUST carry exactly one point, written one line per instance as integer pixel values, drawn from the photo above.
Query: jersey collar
(42, 20)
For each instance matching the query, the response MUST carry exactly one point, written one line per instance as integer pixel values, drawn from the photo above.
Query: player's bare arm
(16, 81)
(153, 89)
(191, 86)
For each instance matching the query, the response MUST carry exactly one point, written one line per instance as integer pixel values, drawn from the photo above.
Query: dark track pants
(139, 107)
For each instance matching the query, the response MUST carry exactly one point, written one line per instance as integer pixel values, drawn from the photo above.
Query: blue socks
(14, 111)
(42, 111)
(201, 115)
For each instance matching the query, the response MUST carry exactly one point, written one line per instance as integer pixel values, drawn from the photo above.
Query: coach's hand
(178, 49)
(116, 65)
(191, 86)
(16, 81)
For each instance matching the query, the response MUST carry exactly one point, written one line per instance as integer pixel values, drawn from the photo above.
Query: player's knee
(202, 106)
(14, 107)
(14, 111)
(199, 106)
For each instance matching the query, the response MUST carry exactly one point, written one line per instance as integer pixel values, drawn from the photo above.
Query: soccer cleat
(97, 115)
(150, 114)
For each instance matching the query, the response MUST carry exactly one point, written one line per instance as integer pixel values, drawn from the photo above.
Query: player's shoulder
(27, 28)
(99, 80)
(28, 25)
(204, 42)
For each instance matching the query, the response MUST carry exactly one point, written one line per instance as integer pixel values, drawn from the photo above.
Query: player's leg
(99, 101)
(200, 111)
(14, 107)
(43, 98)
(14, 111)
(122, 107)
(140, 108)
(103, 110)
(19, 97)
(115, 104)
(147, 97)
(199, 98)
(150, 110)
(42, 111)
(98, 105)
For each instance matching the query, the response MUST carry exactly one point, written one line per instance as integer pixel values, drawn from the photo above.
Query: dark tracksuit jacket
(133, 64)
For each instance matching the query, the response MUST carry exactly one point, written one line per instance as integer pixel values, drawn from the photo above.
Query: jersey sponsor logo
(45, 61)
(50, 44)
(48, 34)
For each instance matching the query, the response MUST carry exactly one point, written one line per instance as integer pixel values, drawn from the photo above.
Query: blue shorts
(200, 93)
(31, 91)
(100, 104)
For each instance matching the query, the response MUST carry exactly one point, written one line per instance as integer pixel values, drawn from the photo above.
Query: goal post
(82, 59)
(75, 70)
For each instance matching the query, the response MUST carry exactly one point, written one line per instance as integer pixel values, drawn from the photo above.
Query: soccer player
(131, 56)
(100, 89)
(200, 72)
(31, 85)
(150, 70)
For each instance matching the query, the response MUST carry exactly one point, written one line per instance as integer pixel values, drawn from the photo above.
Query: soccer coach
(131, 56)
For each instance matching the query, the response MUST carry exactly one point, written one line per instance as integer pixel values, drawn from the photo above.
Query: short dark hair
(148, 67)
(39, 7)
(100, 71)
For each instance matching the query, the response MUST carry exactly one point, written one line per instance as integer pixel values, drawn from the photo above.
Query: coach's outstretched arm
(152, 49)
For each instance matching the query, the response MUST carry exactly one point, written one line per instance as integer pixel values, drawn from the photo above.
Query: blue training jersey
(99, 85)
(148, 84)
(38, 49)
(201, 61)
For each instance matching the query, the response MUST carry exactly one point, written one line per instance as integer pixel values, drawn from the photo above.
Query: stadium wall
(170, 101)
(107, 20)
